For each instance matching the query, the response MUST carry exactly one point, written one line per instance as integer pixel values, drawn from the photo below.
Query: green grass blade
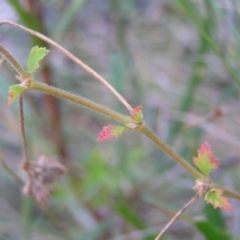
(191, 14)
(67, 18)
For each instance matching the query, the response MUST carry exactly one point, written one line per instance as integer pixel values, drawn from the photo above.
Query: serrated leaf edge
(36, 48)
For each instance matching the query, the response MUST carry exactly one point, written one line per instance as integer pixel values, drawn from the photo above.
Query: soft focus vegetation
(179, 59)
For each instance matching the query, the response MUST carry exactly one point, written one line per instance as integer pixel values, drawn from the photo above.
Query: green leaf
(14, 92)
(36, 55)
(214, 197)
(205, 160)
(131, 217)
(210, 232)
(111, 131)
(214, 216)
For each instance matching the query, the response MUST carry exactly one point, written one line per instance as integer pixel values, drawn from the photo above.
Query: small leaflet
(14, 92)
(111, 131)
(137, 114)
(205, 160)
(35, 56)
(214, 197)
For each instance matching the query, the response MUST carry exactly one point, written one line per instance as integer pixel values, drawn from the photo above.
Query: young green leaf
(137, 114)
(36, 55)
(205, 160)
(111, 131)
(214, 197)
(14, 92)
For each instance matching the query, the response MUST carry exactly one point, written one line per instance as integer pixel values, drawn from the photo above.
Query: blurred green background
(177, 58)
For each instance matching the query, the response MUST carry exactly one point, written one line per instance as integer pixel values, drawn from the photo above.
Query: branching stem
(80, 100)
(74, 59)
(168, 150)
(92, 105)
(228, 192)
(12, 61)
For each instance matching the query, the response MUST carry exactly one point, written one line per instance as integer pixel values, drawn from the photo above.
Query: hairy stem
(80, 100)
(74, 59)
(105, 111)
(121, 118)
(228, 192)
(51, 105)
(12, 61)
(162, 145)
(126, 120)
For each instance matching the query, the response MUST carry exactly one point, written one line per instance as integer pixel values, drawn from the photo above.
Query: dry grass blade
(187, 205)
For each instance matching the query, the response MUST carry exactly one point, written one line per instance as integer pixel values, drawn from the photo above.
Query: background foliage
(177, 58)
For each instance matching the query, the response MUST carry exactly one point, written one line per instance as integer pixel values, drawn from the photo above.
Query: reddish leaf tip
(110, 131)
(10, 98)
(207, 149)
(214, 197)
(14, 92)
(137, 114)
(105, 134)
(205, 160)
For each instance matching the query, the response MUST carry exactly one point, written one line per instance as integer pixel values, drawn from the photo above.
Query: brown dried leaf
(41, 175)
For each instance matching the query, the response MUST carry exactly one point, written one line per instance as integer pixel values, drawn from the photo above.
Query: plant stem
(12, 61)
(33, 10)
(121, 118)
(74, 59)
(125, 120)
(228, 192)
(162, 145)
(22, 126)
(101, 109)
(27, 217)
(80, 100)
